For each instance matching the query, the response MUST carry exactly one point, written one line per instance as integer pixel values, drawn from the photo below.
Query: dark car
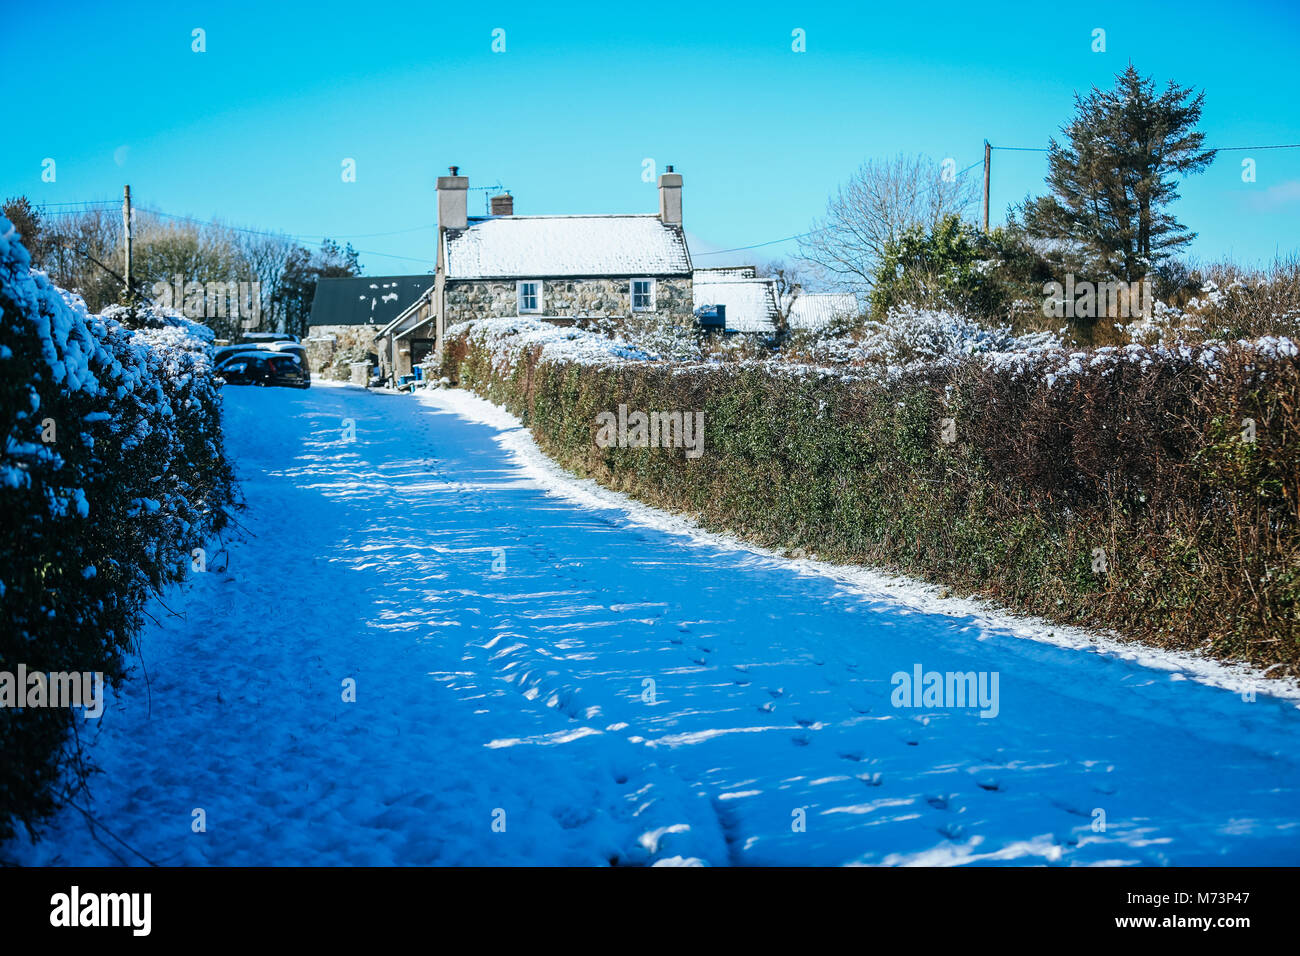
(226, 352)
(265, 368)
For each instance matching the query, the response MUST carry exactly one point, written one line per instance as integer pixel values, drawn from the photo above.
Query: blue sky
(253, 132)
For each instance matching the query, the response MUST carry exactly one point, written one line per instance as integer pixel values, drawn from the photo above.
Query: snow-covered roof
(812, 310)
(750, 302)
(722, 272)
(526, 247)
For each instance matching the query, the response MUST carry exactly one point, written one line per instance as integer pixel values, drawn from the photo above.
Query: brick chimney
(670, 197)
(503, 205)
(453, 193)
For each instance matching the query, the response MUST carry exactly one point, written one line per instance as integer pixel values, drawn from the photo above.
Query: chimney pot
(455, 170)
(503, 204)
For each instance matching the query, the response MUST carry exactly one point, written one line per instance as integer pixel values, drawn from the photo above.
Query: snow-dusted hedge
(1155, 490)
(111, 473)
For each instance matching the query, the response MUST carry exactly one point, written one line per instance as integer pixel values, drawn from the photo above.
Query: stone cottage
(557, 268)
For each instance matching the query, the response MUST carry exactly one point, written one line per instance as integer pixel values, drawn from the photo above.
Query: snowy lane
(614, 692)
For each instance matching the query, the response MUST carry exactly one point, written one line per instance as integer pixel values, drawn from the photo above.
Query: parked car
(289, 348)
(226, 352)
(259, 337)
(264, 368)
(226, 355)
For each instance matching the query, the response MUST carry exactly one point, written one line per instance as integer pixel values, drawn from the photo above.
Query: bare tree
(788, 280)
(82, 254)
(871, 210)
(267, 256)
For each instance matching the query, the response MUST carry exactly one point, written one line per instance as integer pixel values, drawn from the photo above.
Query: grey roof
(365, 300)
(538, 247)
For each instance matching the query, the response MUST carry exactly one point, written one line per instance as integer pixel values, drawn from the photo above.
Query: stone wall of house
(332, 348)
(477, 298)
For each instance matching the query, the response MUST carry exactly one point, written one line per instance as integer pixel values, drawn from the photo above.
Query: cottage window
(643, 295)
(530, 296)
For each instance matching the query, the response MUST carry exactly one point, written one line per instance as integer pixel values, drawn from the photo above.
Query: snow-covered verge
(112, 473)
(1147, 489)
(903, 591)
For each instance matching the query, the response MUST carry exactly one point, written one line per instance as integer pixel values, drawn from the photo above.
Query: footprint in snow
(953, 831)
(989, 783)
(804, 721)
(871, 779)
(776, 692)
(741, 683)
(701, 660)
(1069, 808)
(856, 755)
(767, 708)
(938, 801)
(801, 740)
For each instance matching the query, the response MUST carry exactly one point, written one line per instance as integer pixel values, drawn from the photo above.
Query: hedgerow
(112, 471)
(1151, 490)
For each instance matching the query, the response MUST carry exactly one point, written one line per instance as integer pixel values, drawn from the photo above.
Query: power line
(1229, 149)
(1217, 149)
(81, 202)
(255, 232)
(757, 245)
(299, 238)
(813, 232)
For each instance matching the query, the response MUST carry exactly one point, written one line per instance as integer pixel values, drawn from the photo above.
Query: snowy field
(546, 673)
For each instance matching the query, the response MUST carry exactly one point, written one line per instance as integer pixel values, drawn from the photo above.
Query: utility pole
(988, 151)
(126, 224)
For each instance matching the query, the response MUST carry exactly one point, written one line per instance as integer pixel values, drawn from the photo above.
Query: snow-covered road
(544, 679)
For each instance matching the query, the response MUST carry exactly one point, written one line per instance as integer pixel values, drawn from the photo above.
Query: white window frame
(631, 292)
(519, 296)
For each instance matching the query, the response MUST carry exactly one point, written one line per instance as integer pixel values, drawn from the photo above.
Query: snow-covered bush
(649, 334)
(1239, 305)
(911, 337)
(112, 471)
